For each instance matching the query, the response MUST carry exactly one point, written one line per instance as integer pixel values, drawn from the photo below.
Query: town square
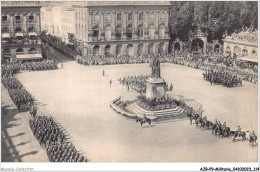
(128, 85)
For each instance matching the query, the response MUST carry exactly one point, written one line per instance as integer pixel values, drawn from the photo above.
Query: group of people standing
(39, 65)
(222, 129)
(111, 59)
(138, 83)
(53, 139)
(9, 68)
(219, 76)
(56, 43)
(21, 98)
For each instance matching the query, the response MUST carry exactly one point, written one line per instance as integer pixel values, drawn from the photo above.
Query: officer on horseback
(238, 130)
(224, 126)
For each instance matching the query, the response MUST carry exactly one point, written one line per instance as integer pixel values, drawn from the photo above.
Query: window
(141, 16)
(140, 31)
(130, 16)
(4, 18)
(118, 17)
(31, 17)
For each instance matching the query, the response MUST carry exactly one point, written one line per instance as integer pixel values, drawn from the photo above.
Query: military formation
(59, 45)
(53, 139)
(39, 65)
(222, 130)
(21, 98)
(10, 68)
(138, 83)
(218, 76)
(11, 83)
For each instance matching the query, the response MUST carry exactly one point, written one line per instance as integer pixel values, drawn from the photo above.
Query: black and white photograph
(89, 82)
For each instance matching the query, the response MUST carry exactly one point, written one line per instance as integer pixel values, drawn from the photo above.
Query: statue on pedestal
(156, 71)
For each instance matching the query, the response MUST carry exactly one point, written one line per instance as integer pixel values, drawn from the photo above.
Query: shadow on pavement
(9, 152)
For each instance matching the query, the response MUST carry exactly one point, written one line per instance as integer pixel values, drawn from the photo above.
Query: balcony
(31, 22)
(5, 23)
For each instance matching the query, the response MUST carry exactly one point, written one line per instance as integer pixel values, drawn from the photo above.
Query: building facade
(59, 20)
(243, 45)
(21, 28)
(68, 25)
(117, 27)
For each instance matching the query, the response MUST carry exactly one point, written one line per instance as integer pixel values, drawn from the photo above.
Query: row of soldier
(138, 83)
(219, 76)
(53, 139)
(9, 68)
(39, 65)
(21, 98)
(64, 153)
(59, 45)
(11, 83)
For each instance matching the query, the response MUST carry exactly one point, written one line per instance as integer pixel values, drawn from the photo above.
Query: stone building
(68, 24)
(243, 45)
(58, 19)
(21, 28)
(121, 27)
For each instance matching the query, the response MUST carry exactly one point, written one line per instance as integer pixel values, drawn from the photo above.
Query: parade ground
(78, 98)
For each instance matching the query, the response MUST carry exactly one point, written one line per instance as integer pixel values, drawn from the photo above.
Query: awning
(28, 56)
(7, 55)
(249, 59)
(6, 35)
(18, 34)
(32, 34)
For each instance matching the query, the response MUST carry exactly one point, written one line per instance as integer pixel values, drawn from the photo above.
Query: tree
(214, 18)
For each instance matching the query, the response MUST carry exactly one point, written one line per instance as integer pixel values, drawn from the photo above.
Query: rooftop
(20, 3)
(115, 3)
(244, 36)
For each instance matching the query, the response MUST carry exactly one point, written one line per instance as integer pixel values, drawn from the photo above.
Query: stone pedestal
(155, 88)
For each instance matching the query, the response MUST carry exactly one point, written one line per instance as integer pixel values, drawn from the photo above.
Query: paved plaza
(78, 97)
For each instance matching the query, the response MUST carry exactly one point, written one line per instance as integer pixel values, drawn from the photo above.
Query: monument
(155, 86)
(144, 107)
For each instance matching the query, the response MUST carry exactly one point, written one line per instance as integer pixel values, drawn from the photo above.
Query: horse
(213, 128)
(198, 121)
(195, 117)
(144, 120)
(208, 124)
(226, 132)
(219, 131)
(203, 124)
(252, 139)
(239, 134)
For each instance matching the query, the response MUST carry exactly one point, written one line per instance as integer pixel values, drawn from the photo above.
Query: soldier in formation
(51, 137)
(21, 98)
(40, 65)
(219, 76)
(11, 83)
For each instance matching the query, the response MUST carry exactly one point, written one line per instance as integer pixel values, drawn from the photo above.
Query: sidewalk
(18, 143)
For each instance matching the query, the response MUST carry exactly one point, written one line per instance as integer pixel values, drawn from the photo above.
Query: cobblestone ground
(78, 97)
